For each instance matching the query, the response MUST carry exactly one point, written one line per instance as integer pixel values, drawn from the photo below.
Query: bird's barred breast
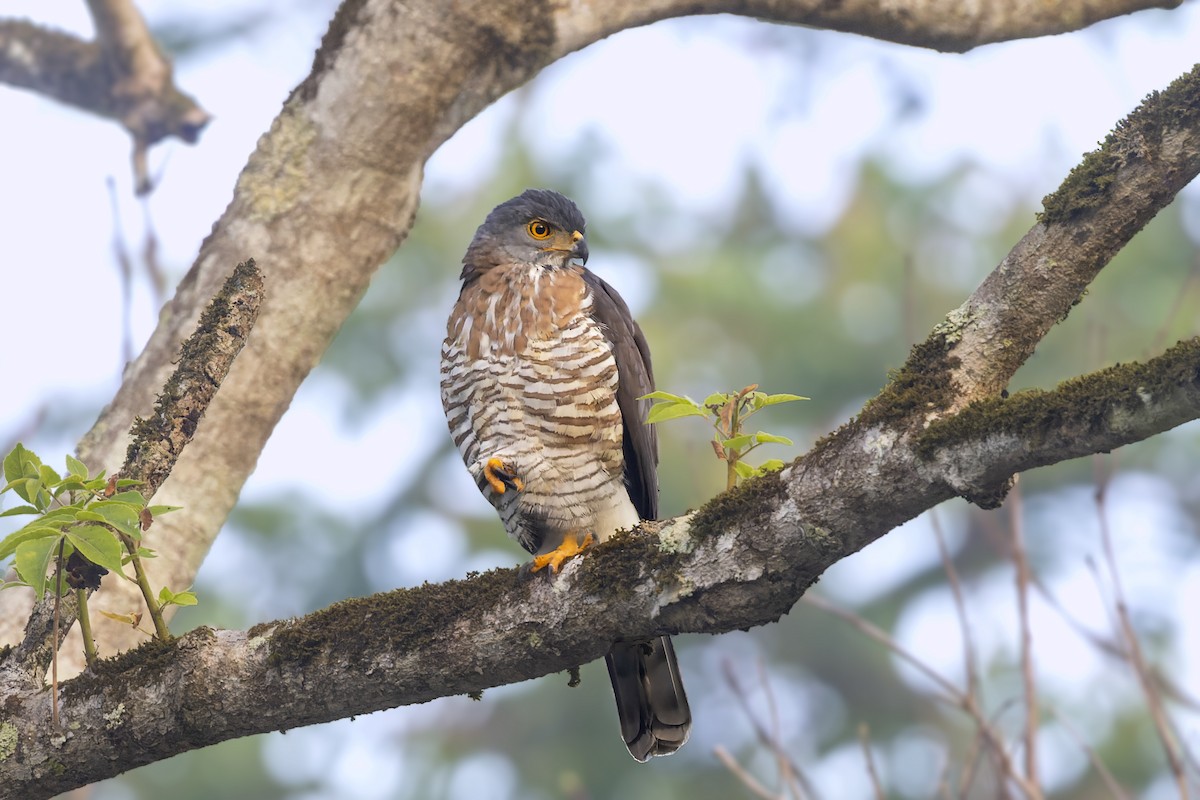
(538, 390)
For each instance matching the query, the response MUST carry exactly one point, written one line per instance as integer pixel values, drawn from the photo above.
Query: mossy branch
(1149, 156)
(742, 560)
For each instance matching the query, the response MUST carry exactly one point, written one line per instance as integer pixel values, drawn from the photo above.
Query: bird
(543, 371)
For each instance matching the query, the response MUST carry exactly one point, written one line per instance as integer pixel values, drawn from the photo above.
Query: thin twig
(125, 272)
(58, 575)
(1021, 560)
(786, 777)
(960, 606)
(970, 763)
(161, 631)
(864, 739)
(742, 775)
(1136, 658)
(1160, 336)
(795, 780)
(1101, 768)
(85, 627)
(943, 784)
(951, 694)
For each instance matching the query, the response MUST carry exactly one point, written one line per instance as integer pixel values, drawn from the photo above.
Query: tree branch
(204, 361)
(122, 76)
(1140, 167)
(742, 560)
(328, 195)
(331, 191)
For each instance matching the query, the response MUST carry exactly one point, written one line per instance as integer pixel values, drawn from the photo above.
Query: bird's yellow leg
(571, 546)
(501, 476)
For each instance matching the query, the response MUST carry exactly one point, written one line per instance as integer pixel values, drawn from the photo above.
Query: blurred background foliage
(741, 290)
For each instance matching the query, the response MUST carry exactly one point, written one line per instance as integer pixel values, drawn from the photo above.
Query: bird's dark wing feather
(635, 378)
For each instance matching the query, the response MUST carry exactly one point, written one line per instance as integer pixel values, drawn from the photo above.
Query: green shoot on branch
(85, 526)
(727, 412)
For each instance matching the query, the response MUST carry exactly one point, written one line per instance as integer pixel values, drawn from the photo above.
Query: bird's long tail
(651, 702)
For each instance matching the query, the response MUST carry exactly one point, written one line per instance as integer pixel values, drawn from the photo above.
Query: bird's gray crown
(503, 237)
(532, 204)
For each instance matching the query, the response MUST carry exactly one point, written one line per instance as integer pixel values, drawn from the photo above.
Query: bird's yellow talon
(501, 476)
(569, 548)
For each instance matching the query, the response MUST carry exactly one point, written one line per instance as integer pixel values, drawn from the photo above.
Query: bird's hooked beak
(579, 248)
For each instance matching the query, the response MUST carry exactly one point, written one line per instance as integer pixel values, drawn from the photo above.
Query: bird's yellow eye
(538, 229)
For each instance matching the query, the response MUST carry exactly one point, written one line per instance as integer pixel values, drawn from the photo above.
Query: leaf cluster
(91, 523)
(727, 412)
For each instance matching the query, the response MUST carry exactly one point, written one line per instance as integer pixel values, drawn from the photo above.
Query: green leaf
(98, 546)
(33, 560)
(126, 619)
(15, 510)
(87, 515)
(49, 477)
(159, 510)
(12, 465)
(31, 492)
(123, 482)
(739, 442)
(665, 411)
(96, 484)
(21, 463)
(716, 399)
(77, 467)
(770, 465)
(185, 599)
(167, 597)
(676, 398)
(60, 517)
(19, 486)
(762, 436)
(134, 499)
(776, 399)
(71, 483)
(121, 516)
(32, 531)
(744, 470)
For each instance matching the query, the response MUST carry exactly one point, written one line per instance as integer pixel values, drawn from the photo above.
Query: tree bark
(742, 560)
(331, 192)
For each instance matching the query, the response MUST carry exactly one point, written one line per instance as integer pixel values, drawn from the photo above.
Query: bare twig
(1160, 336)
(1098, 764)
(864, 739)
(739, 772)
(125, 272)
(1137, 659)
(970, 763)
(787, 776)
(1021, 560)
(951, 694)
(960, 606)
(791, 777)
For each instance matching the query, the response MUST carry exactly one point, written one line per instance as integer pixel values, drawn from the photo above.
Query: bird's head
(539, 227)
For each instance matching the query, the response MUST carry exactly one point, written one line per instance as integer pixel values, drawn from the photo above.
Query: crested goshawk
(541, 372)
